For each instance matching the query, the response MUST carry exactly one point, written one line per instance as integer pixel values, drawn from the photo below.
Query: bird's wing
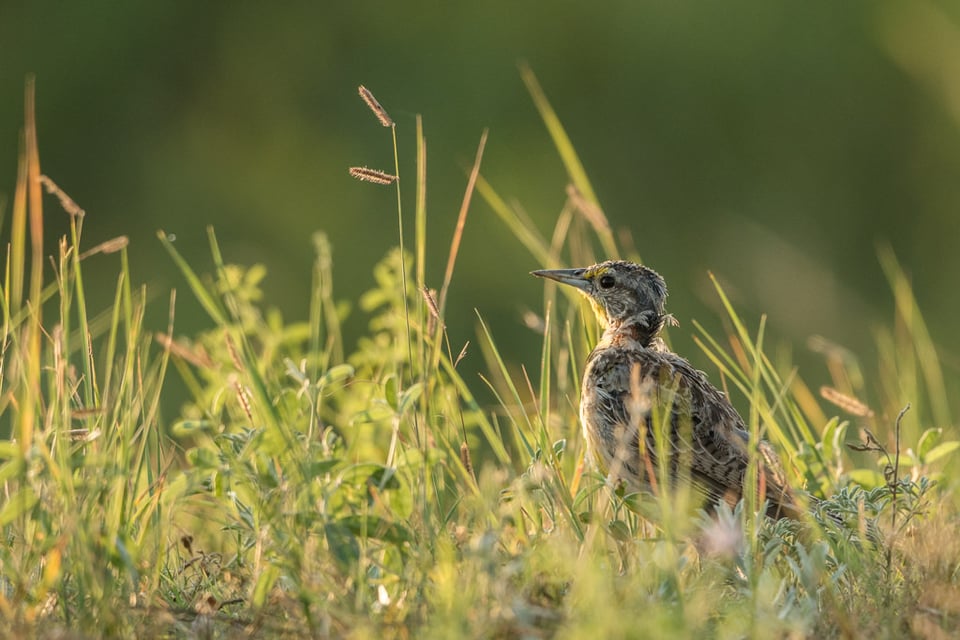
(721, 442)
(638, 388)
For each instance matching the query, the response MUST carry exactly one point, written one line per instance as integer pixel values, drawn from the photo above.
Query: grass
(310, 489)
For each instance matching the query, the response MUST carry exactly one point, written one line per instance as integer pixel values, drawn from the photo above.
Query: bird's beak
(572, 277)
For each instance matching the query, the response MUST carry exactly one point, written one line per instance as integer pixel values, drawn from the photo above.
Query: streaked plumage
(631, 376)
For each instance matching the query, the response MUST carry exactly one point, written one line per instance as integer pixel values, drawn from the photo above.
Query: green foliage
(310, 488)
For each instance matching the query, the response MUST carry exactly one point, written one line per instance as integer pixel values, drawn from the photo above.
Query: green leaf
(318, 468)
(390, 392)
(187, 428)
(395, 491)
(907, 459)
(927, 441)
(268, 577)
(18, 504)
(203, 458)
(377, 527)
(384, 478)
(867, 478)
(376, 413)
(11, 469)
(359, 475)
(619, 530)
(559, 447)
(941, 450)
(343, 546)
(409, 396)
(244, 512)
(336, 374)
(828, 437)
(293, 371)
(9, 449)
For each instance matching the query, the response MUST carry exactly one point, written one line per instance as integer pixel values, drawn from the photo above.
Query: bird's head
(623, 294)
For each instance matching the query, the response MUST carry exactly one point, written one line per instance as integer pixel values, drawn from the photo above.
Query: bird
(632, 378)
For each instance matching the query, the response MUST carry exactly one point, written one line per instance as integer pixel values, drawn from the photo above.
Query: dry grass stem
(372, 175)
(197, 357)
(109, 246)
(590, 211)
(534, 322)
(463, 353)
(66, 201)
(461, 220)
(828, 348)
(376, 107)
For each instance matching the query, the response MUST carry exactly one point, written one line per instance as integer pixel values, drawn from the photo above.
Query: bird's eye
(606, 282)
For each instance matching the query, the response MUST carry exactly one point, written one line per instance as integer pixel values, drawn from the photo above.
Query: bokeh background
(775, 144)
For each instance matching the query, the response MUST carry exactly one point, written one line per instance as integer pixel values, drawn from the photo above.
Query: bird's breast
(606, 406)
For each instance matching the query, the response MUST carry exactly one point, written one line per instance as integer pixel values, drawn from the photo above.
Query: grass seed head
(66, 201)
(376, 107)
(372, 175)
(848, 403)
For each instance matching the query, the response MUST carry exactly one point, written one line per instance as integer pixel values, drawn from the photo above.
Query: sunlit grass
(311, 488)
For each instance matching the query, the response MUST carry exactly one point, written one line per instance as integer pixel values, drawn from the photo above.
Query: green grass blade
(559, 135)
(206, 300)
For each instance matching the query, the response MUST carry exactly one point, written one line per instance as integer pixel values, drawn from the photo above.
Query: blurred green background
(773, 143)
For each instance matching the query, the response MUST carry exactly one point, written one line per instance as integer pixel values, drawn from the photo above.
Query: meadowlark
(632, 379)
